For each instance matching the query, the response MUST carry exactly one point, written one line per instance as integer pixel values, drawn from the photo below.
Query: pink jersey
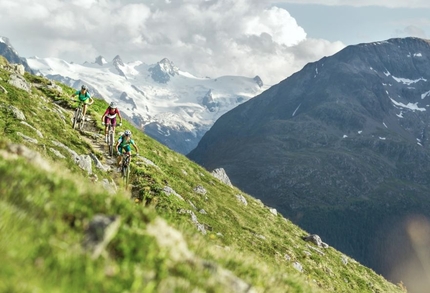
(111, 113)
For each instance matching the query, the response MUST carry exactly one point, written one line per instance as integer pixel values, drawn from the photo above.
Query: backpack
(83, 97)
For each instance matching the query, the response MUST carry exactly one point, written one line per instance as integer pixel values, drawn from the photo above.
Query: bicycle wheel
(126, 170)
(127, 176)
(76, 117)
(81, 120)
(110, 141)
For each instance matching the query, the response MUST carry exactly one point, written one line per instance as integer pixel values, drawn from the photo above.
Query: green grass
(44, 214)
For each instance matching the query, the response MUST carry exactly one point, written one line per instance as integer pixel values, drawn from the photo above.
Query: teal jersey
(124, 143)
(83, 97)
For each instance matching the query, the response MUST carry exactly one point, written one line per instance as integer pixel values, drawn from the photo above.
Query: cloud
(206, 38)
(410, 31)
(355, 3)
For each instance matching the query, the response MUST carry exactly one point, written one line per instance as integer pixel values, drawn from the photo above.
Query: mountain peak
(117, 60)
(7, 50)
(6, 41)
(258, 80)
(162, 71)
(100, 60)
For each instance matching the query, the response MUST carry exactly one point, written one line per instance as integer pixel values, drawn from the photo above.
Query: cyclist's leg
(119, 157)
(106, 125)
(127, 150)
(85, 108)
(113, 122)
(107, 122)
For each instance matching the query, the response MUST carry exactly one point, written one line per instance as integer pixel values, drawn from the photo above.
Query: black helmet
(84, 87)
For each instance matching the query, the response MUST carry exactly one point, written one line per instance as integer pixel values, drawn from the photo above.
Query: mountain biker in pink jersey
(109, 117)
(84, 97)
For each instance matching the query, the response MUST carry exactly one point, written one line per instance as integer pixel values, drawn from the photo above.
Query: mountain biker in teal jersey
(123, 144)
(84, 97)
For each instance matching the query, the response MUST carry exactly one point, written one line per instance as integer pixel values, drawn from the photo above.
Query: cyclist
(84, 97)
(123, 144)
(109, 117)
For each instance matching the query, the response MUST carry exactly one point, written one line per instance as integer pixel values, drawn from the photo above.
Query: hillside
(175, 107)
(341, 148)
(178, 229)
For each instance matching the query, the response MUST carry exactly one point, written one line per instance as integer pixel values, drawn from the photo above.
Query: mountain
(11, 55)
(342, 149)
(69, 223)
(168, 102)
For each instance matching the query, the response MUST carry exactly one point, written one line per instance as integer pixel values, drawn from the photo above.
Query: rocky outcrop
(209, 102)
(163, 70)
(221, 175)
(11, 55)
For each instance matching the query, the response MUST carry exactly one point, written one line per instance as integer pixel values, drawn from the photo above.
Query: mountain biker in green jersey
(84, 97)
(123, 145)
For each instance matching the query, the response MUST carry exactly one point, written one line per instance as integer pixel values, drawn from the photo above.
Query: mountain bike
(78, 117)
(125, 168)
(111, 138)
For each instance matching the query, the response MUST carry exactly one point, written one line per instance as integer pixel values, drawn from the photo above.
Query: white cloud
(212, 37)
(360, 3)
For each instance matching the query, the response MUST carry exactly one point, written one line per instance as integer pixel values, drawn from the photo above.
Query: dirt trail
(92, 134)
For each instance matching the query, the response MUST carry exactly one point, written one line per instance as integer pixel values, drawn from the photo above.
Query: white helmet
(127, 133)
(112, 105)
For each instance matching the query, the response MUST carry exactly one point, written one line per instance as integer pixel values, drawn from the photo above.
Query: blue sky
(272, 39)
(353, 25)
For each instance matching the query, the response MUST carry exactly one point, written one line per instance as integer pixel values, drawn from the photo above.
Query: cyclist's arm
(73, 95)
(104, 115)
(91, 101)
(135, 147)
(119, 115)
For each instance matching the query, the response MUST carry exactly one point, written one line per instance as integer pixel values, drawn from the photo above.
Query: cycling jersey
(124, 144)
(111, 113)
(83, 97)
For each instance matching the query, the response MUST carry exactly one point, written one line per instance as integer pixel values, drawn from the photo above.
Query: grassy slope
(44, 213)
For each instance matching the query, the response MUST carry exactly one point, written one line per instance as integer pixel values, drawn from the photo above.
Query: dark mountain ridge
(340, 147)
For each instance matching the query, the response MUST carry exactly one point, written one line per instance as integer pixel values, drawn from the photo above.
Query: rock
(173, 242)
(37, 131)
(18, 68)
(168, 191)
(273, 211)
(101, 230)
(27, 138)
(19, 82)
(314, 238)
(241, 199)
(220, 174)
(298, 266)
(57, 153)
(98, 164)
(200, 190)
(110, 186)
(17, 113)
(200, 227)
(31, 156)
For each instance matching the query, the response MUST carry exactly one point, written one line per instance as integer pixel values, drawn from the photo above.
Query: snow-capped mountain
(174, 106)
(7, 51)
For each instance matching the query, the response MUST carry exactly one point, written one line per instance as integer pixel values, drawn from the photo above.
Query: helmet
(112, 105)
(84, 87)
(127, 133)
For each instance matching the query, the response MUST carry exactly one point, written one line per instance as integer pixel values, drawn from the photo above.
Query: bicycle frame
(111, 139)
(125, 168)
(78, 118)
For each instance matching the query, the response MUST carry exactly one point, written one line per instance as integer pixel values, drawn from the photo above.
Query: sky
(269, 38)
